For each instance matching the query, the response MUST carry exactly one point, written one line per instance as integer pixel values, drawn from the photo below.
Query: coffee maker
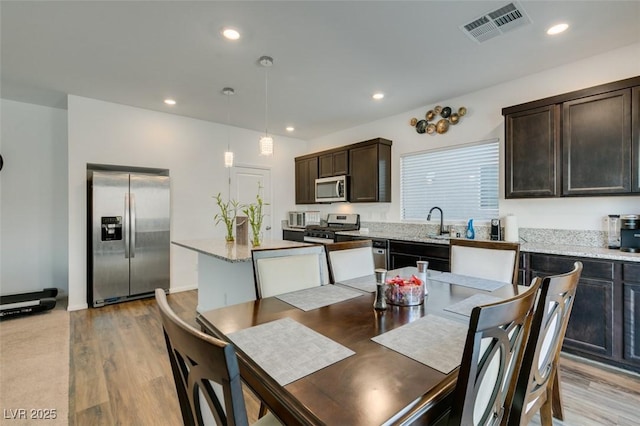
(630, 233)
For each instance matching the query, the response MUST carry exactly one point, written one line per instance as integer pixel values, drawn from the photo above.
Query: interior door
(246, 181)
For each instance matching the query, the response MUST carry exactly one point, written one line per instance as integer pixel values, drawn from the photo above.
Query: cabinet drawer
(420, 249)
(631, 272)
(561, 264)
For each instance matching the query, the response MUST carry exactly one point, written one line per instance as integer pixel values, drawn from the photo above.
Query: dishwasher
(380, 253)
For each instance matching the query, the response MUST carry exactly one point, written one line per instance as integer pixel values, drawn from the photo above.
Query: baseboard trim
(77, 307)
(183, 288)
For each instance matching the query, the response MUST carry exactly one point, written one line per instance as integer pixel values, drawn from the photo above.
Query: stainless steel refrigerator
(128, 235)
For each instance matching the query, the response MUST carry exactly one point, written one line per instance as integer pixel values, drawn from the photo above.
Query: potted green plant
(255, 215)
(228, 212)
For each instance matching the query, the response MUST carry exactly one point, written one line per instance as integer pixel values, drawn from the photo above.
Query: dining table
(325, 356)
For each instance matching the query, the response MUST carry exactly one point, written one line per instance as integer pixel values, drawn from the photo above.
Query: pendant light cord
(266, 100)
(229, 143)
(228, 122)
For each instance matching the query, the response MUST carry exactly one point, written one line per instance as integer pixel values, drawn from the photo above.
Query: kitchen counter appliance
(302, 219)
(335, 223)
(630, 233)
(128, 237)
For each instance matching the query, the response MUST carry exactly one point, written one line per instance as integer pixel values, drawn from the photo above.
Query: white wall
(484, 121)
(33, 198)
(107, 133)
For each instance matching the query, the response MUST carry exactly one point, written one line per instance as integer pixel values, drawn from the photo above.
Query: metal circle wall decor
(438, 120)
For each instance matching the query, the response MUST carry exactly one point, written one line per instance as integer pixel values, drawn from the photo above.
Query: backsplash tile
(564, 236)
(527, 235)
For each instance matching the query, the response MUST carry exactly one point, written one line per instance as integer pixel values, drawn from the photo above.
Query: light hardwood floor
(120, 373)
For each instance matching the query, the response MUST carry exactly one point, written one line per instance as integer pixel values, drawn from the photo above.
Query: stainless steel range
(335, 223)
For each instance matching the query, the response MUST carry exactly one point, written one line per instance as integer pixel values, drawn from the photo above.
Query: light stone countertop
(557, 249)
(232, 252)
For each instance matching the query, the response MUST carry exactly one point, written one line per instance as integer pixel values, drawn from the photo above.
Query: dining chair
(206, 374)
(491, 360)
(278, 271)
(538, 387)
(350, 259)
(492, 260)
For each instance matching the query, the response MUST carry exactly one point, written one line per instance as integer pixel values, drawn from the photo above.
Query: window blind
(462, 181)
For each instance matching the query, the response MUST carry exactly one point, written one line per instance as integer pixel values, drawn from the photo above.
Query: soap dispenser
(471, 234)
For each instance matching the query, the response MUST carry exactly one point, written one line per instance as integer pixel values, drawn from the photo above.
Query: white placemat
(465, 306)
(317, 297)
(467, 281)
(432, 340)
(366, 283)
(287, 350)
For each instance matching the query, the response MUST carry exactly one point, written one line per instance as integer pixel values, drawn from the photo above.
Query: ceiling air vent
(496, 22)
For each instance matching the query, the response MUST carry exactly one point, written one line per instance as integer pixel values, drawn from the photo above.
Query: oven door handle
(317, 240)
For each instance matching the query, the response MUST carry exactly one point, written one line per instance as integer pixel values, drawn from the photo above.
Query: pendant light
(228, 154)
(266, 141)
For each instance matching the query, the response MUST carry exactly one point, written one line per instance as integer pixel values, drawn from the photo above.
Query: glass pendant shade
(228, 154)
(228, 159)
(266, 141)
(266, 145)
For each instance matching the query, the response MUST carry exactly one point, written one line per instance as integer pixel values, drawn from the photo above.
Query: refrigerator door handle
(126, 226)
(132, 249)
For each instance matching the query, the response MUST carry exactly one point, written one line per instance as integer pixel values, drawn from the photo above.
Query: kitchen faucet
(441, 218)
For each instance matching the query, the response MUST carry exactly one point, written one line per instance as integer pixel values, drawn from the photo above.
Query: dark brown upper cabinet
(306, 175)
(596, 144)
(581, 143)
(635, 137)
(370, 171)
(334, 163)
(367, 164)
(531, 153)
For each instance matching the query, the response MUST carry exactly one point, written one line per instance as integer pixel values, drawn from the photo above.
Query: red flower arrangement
(404, 291)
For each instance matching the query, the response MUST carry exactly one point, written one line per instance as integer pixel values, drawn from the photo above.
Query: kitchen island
(225, 270)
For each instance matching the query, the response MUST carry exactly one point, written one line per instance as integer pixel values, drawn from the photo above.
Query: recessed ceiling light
(169, 102)
(290, 128)
(557, 29)
(230, 33)
(378, 96)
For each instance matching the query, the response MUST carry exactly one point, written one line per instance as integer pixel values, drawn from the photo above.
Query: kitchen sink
(439, 237)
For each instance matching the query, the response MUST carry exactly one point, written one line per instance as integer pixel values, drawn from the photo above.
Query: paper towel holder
(511, 229)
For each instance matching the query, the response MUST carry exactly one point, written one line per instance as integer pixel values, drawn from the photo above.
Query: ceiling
(329, 56)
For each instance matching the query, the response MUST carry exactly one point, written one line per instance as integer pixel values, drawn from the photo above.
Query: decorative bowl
(404, 291)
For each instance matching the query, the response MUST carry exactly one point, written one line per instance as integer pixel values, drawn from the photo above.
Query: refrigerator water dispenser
(111, 228)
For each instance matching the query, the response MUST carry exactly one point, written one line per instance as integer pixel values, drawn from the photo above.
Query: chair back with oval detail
(206, 374)
(538, 386)
(491, 360)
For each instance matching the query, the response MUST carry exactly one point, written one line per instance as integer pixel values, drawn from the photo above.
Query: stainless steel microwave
(331, 189)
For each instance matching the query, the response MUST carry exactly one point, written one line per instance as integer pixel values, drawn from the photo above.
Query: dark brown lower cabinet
(632, 323)
(604, 321)
(293, 235)
(403, 253)
(631, 313)
(590, 326)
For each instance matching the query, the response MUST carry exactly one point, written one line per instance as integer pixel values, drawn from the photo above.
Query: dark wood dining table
(374, 386)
